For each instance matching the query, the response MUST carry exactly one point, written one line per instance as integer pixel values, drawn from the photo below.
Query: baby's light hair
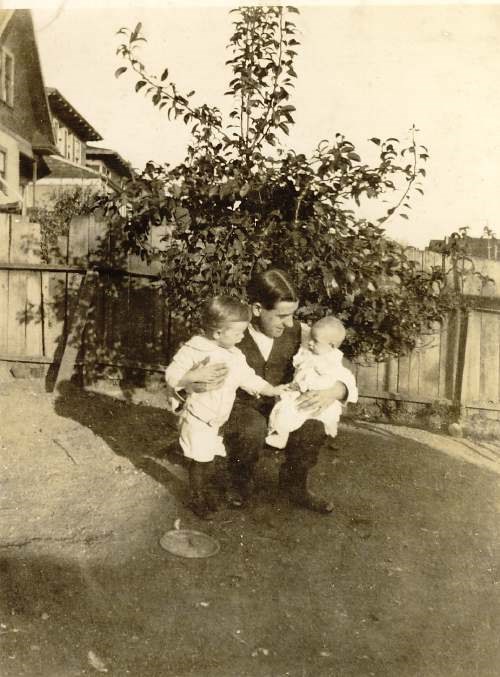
(218, 311)
(332, 325)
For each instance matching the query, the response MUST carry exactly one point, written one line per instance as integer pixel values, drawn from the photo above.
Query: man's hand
(315, 401)
(204, 377)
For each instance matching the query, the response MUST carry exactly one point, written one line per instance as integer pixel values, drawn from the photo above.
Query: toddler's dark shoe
(239, 494)
(212, 498)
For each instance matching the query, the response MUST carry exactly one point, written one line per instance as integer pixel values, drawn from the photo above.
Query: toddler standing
(223, 322)
(318, 365)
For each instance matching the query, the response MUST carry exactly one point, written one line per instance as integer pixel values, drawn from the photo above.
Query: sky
(363, 70)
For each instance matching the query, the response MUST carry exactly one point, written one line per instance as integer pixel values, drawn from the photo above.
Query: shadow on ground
(402, 581)
(143, 434)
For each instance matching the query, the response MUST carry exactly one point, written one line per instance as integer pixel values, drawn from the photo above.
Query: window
(60, 138)
(7, 84)
(3, 171)
(69, 147)
(78, 152)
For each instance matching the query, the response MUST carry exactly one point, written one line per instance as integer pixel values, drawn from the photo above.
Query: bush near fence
(129, 330)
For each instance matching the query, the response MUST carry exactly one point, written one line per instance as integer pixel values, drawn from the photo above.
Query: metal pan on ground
(189, 543)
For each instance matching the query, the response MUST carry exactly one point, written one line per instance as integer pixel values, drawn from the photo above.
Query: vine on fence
(55, 214)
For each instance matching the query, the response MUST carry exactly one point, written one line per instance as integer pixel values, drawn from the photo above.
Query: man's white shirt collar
(263, 342)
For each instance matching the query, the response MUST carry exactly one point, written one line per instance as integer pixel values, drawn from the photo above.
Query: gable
(28, 116)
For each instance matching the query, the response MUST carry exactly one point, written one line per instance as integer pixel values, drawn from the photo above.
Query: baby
(318, 365)
(223, 322)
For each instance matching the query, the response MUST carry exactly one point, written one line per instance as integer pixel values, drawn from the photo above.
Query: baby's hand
(279, 390)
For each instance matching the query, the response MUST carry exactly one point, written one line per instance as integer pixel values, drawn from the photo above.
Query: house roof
(111, 158)
(43, 141)
(62, 109)
(5, 16)
(62, 169)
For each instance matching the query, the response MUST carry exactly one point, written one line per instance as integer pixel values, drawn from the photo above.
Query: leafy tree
(242, 201)
(55, 214)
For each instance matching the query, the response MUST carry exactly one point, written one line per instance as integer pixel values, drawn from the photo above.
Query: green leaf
(139, 85)
(375, 140)
(120, 71)
(135, 32)
(164, 75)
(244, 190)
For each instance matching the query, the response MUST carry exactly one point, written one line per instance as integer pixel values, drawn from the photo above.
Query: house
(26, 134)
(72, 132)
(78, 163)
(479, 247)
(110, 165)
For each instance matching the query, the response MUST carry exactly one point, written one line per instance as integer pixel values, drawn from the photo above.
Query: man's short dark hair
(270, 288)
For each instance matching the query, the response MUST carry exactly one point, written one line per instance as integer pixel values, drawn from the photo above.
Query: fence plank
(414, 372)
(25, 241)
(489, 357)
(33, 318)
(470, 391)
(77, 323)
(429, 367)
(392, 374)
(117, 324)
(54, 303)
(16, 339)
(4, 237)
(4, 309)
(443, 360)
(98, 235)
(16, 335)
(139, 318)
(367, 377)
(381, 376)
(158, 325)
(4, 280)
(404, 374)
(78, 240)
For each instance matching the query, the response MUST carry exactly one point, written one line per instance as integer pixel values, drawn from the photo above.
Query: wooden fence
(458, 363)
(128, 322)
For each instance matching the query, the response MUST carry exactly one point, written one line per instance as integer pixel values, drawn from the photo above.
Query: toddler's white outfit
(312, 372)
(202, 414)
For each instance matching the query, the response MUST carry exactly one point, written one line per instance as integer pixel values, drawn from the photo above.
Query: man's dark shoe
(311, 502)
(293, 484)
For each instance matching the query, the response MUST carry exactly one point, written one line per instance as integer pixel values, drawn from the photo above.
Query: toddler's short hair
(218, 311)
(332, 325)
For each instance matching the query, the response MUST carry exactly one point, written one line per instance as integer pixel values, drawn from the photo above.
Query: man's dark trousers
(246, 430)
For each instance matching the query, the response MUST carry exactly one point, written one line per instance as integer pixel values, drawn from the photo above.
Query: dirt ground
(402, 580)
